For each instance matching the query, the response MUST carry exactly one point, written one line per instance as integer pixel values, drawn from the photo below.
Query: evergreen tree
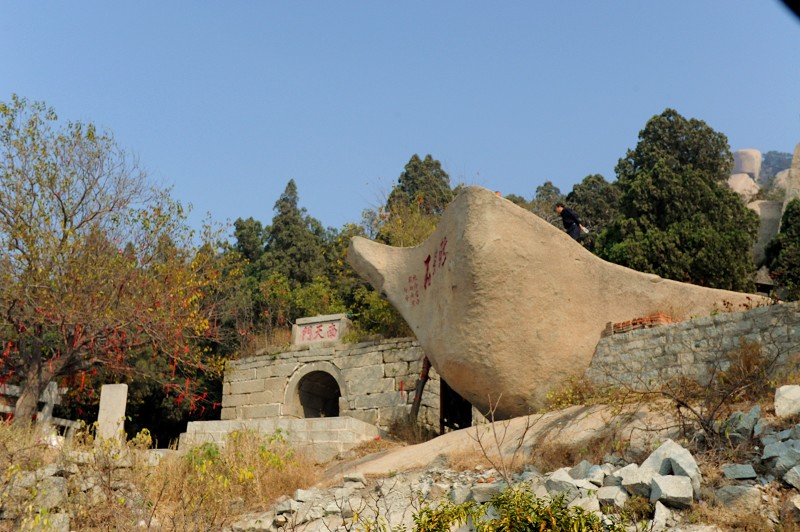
(597, 203)
(250, 238)
(783, 253)
(424, 184)
(295, 241)
(677, 218)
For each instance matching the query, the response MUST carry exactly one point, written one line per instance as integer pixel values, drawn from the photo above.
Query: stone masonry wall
(376, 381)
(644, 357)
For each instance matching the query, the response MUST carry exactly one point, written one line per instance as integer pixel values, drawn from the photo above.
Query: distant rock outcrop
(793, 178)
(505, 304)
(744, 185)
(747, 162)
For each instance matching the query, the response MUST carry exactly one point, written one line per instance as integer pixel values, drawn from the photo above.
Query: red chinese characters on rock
(412, 291)
(439, 258)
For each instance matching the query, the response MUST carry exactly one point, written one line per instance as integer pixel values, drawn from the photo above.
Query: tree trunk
(35, 382)
(28, 401)
(423, 378)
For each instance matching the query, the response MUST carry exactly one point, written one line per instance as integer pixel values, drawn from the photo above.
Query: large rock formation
(769, 215)
(507, 307)
(743, 185)
(747, 162)
(793, 178)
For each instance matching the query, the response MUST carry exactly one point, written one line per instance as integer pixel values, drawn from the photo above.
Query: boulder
(747, 498)
(612, 496)
(793, 178)
(671, 458)
(739, 471)
(787, 400)
(781, 178)
(747, 162)
(790, 511)
(505, 304)
(743, 185)
(672, 490)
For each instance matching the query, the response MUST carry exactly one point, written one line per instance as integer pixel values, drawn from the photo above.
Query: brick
(360, 360)
(249, 386)
(278, 369)
(260, 411)
(240, 374)
(357, 387)
(395, 369)
(363, 375)
(232, 400)
(412, 354)
(377, 400)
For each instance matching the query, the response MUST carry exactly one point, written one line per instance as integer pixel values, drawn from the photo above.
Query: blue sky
(227, 101)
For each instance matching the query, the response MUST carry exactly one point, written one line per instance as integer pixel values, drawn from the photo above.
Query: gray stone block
(661, 517)
(560, 482)
(746, 498)
(240, 374)
(484, 492)
(403, 355)
(738, 471)
(792, 477)
(260, 411)
(612, 496)
(377, 400)
(372, 386)
(282, 369)
(670, 457)
(360, 361)
(787, 400)
(248, 386)
(672, 490)
(638, 482)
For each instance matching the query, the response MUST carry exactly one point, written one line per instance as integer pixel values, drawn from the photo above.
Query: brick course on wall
(376, 381)
(645, 357)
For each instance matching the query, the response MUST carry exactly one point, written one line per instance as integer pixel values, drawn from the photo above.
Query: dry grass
(112, 487)
(211, 484)
(470, 459)
(405, 430)
(730, 519)
(548, 456)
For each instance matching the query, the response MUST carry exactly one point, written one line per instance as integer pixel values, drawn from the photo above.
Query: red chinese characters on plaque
(318, 329)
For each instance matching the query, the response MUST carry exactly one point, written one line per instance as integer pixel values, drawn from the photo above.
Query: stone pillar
(111, 418)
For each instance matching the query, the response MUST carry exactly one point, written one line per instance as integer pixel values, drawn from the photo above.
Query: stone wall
(694, 347)
(371, 381)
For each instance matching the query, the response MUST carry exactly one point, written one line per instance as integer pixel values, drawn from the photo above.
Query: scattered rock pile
(767, 484)
(669, 477)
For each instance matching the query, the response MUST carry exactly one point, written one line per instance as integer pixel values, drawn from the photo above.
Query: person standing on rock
(572, 223)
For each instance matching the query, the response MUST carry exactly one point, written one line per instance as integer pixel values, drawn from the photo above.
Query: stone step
(321, 438)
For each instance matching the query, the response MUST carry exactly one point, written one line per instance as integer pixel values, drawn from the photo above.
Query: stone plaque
(319, 329)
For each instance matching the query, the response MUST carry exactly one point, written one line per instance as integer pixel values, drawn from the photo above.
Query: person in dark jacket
(572, 223)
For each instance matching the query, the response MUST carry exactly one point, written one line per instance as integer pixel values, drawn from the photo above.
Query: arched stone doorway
(318, 393)
(314, 390)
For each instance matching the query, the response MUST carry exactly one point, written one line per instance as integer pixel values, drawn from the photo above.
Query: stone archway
(318, 393)
(314, 390)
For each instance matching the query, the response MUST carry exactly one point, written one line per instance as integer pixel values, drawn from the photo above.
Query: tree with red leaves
(95, 262)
